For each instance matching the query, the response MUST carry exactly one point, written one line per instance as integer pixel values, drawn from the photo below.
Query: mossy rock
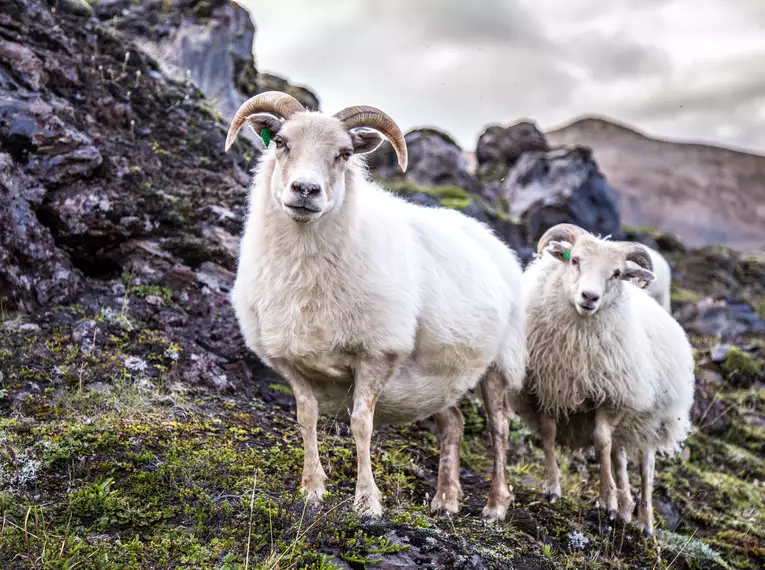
(739, 362)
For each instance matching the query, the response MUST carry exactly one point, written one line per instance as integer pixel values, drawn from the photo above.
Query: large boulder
(206, 41)
(562, 185)
(438, 175)
(434, 160)
(499, 148)
(109, 168)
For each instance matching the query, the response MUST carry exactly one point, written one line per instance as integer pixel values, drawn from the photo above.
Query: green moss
(759, 308)
(281, 388)
(680, 294)
(440, 192)
(456, 203)
(741, 362)
(152, 478)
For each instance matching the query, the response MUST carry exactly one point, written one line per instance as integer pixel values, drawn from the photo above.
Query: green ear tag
(265, 134)
(567, 255)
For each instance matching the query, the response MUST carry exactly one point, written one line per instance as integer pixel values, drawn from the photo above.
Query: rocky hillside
(137, 432)
(705, 194)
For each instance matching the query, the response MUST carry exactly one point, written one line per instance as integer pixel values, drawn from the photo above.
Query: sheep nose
(306, 189)
(590, 297)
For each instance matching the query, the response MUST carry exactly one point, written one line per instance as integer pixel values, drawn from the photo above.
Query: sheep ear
(559, 250)
(365, 141)
(260, 121)
(643, 276)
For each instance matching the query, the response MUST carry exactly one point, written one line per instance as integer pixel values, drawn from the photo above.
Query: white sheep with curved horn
(607, 365)
(372, 308)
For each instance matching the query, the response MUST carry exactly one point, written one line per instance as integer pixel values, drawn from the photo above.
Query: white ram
(372, 308)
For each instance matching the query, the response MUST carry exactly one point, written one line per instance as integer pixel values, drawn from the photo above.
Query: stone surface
(208, 42)
(499, 148)
(562, 185)
(434, 160)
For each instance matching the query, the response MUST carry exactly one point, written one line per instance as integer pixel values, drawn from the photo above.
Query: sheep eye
(279, 142)
(617, 274)
(345, 154)
(574, 261)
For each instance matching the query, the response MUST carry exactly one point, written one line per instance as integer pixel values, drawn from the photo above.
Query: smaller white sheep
(659, 288)
(607, 365)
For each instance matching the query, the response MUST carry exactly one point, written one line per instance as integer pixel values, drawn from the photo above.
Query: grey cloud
(610, 57)
(724, 96)
(460, 65)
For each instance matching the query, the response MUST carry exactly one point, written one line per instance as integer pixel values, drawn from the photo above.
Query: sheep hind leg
(313, 480)
(450, 425)
(371, 376)
(645, 509)
(602, 438)
(548, 428)
(494, 390)
(623, 491)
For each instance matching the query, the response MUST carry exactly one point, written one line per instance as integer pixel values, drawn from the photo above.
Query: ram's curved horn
(636, 253)
(560, 232)
(274, 102)
(374, 118)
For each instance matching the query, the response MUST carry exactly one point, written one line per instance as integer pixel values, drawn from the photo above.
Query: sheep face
(313, 152)
(593, 271)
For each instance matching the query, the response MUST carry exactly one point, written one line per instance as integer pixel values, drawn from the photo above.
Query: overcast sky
(686, 69)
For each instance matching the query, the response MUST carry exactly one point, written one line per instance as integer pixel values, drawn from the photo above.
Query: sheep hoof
(551, 496)
(368, 505)
(494, 514)
(314, 495)
(446, 503)
(611, 514)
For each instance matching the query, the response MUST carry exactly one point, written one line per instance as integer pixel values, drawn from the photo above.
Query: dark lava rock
(32, 270)
(434, 160)
(726, 316)
(499, 148)
(563, 185)
(207, 42)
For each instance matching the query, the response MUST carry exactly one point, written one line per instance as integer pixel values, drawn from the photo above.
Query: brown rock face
(704, 194)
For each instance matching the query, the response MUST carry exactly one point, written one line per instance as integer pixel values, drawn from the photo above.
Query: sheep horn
(636, 253)
(274, 102)
(365, 116)
(560, 232)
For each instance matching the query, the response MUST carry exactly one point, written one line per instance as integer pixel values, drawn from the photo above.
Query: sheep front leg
(548, 429)
(371, 376)
(450, 425)
(314, 477)
(493, 387)
(645, 509)
(605, 422)
(623, 491)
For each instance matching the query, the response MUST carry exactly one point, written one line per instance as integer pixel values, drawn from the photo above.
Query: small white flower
(577, 540)
(135, 364)
(171, 353)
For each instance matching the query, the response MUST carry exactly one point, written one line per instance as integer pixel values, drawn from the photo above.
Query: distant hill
(702, 193)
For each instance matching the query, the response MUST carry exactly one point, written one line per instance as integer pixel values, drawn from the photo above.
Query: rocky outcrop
(499, 148)
(90, 178)
(438, 175)
(562, 185)
(208, 42)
